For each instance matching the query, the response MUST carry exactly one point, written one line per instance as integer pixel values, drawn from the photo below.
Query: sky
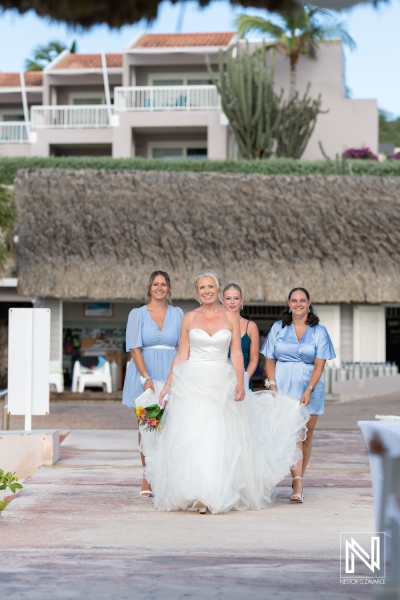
(372, 70)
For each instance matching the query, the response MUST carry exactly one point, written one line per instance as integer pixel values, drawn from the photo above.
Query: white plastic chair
(82, 377)
(56, 376)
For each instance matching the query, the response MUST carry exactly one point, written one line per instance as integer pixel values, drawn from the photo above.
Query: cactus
(261, 120)
(248, 99)
(299, 116)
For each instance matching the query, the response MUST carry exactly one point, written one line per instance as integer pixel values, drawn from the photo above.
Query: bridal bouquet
(149, 417)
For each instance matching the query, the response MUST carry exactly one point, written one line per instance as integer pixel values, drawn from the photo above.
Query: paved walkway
(104, 414)
(79, 530)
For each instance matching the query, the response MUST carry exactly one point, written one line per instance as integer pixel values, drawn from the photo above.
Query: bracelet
(268, 383)
(167, 383)
(144, 380)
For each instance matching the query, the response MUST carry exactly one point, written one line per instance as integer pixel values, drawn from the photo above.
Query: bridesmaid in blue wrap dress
(152, 337)
(296, 350)
(232, 299)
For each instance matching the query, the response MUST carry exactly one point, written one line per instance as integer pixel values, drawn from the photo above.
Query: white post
(24, 103)
(106, 85)
(28, 377)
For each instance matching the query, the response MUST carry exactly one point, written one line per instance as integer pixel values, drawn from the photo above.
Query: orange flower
(140, 411)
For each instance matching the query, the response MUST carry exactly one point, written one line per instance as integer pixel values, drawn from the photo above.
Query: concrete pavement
(80, 530)
(106, 414)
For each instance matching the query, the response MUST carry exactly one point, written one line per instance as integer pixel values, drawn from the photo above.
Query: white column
(369, 330)
(24, 103)
(106, 85)
(329, 315)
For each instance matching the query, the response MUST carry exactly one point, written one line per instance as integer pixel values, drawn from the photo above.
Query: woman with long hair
(152, 337)
(232, 299)
(296, 351)
(216, 452)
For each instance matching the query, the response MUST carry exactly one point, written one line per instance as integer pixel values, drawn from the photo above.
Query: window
(168, 153)
(199, 82)
(13, 117)
(197, 153)
(168, 82)
(84, 101)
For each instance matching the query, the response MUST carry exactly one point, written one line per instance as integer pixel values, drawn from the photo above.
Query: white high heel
(297, 497)
(146, 493)
(200, 507)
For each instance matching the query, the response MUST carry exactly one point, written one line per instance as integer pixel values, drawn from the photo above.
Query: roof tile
(184, 39)
(32, 79)
(88, 61)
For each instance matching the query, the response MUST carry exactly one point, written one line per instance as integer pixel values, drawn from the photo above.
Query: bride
(219, 448)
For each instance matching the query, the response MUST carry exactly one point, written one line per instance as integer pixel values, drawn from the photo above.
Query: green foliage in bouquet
(149, 417)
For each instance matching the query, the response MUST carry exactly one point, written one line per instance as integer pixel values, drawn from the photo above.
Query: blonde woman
(232, 299)
(216, 452)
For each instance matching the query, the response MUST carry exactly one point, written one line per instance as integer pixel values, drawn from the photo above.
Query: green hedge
(275, 166)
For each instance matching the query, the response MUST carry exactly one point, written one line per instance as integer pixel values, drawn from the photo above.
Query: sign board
(28, 362)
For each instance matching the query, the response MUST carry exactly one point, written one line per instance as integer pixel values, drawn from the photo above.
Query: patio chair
(100, 376)
(56, 377)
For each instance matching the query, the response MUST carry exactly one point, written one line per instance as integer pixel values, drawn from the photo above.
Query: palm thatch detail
(98, 234)
(117, 13)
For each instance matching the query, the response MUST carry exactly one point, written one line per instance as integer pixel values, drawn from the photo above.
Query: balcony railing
(70, 117)
(13, 132)
(176, 97)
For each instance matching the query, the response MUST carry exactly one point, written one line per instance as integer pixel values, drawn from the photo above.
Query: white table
(389, 433)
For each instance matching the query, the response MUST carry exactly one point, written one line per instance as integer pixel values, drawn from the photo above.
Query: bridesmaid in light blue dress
(296, 351)
(152, 337)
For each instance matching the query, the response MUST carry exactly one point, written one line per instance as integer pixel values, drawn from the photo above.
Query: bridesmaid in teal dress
(232, 299)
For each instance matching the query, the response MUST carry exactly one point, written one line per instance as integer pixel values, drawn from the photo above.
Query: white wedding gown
(228, 454)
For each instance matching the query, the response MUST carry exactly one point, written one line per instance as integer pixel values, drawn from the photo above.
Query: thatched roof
(117, 13)
(99, 234)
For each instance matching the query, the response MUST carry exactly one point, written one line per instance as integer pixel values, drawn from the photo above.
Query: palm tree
(299, 33)
(43, 55)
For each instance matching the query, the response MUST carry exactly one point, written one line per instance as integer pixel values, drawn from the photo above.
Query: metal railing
(6, 421)
(351, 371)
(70, 117)
(171, 98)
(13, 132)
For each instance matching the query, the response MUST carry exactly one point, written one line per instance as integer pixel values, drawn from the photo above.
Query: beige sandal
(297, 497)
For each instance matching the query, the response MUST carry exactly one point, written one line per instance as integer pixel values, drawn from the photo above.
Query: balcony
(70, 117)
(13, 132)
(166, 98)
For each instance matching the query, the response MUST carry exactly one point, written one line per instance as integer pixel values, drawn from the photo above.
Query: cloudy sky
(372, 70)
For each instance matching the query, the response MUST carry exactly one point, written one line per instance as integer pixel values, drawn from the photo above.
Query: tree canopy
(298, 32)
(45, 54)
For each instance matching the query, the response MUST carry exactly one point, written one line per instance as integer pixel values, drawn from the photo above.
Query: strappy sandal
(299, 498)
(146, 493)
(200, 507)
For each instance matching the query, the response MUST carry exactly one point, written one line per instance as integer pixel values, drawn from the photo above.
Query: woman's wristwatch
(144, 380)
(311, 387)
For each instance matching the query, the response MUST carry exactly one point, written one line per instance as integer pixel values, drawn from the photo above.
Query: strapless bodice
(205, 347)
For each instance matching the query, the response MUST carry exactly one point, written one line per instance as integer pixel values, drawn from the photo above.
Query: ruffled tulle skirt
(230, 455)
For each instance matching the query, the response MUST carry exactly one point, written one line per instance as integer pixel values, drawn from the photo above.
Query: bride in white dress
(219, 448)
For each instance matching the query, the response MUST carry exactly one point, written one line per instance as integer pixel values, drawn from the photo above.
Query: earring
(199, 301)
(241, 308)
(289, 311)
(308, 310)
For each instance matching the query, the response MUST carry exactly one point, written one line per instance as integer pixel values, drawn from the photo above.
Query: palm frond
(247, 23)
